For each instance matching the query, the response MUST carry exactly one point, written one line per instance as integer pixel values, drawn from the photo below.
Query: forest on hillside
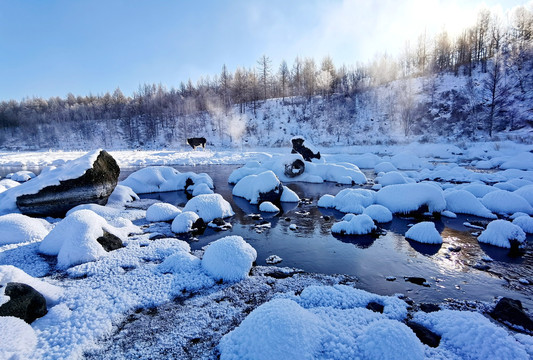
(481, 81)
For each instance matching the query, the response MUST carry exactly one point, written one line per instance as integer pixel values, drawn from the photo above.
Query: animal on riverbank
(195, 142)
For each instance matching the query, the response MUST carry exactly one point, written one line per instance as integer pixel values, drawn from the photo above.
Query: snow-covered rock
(526, 192)
(7, 184)
(267, 206)
(384, 167)
(408, 161)
(391, 178)
(121, 196)
(202, 189)
(404, 198)
(9, 273)
(464, 202)
(349, 200)
(184, 222)
(289, 196)
(162, 212)
(18, 339)
(501, 233)
(356, 225)
(424, 232)
(378, 213)
(326, 201)
(506, 202)
(256, 188)
(154, 179)
(525, 222)
(21, 176)
(479, 190)
(18, 228)
(209, 207)
(229, 259)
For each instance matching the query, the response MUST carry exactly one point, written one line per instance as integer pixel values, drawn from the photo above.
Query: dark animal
(299, 147)
(195, 142)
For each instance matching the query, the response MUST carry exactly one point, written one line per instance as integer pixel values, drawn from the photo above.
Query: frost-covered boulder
(155, 179)
(502, 233)
(76, 239)
(258, 188)
(185, 222)
(525, 222)
(162, 212)
(89, 179)
(278, 329)
(354, 225)
(378, 213)
(18, 228)
(424, 232)
(18, 339)
(267, 206)
(405, 198)
(506, 202)
(229, 259)
(12, 274)
(209, 207)
(464, 202)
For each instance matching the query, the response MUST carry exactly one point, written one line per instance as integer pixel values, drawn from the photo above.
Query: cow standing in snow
(195, 142)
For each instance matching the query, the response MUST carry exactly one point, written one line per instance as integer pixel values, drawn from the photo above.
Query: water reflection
(360, 241)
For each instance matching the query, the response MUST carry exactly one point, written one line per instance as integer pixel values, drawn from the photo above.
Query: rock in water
(25, 302)
(94, 186)
(510, 311)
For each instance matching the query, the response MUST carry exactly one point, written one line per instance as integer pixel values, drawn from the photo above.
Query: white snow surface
(464, 202)
(18, 339)
(229, 259)
(249, 187)
(354, 225)
(267, 206)
(9, 273)
(424, 232)
(506, 202)
(404, 198)
(349, 200)
(209, 207)
(153, 179)
(162, 212)
(202, 189)
(18, 228)
(500, 232)
(289, 196)
(184, 222)
(7, 184)
(21, 176)
(378, 213)
(526, 192)
(525, 222)
(121, 196)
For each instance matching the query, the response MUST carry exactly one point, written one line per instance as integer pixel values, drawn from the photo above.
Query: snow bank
(114, 215)
(408, 161)
(184, 222)
(464, 202)
(10, 273)
(521, 161)
(18, 228)
(154, 179)
(525, 223)
(18, 339)
(404, 198)
(251, 186)
(356, 225)
(229, 259)
(424, 232)
(209, 207)
(70, 170)
(500, 232)
(267, 206)
(378, 213)
(506, 202)
(162, 212)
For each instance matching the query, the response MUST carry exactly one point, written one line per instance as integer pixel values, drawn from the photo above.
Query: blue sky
(50, 48)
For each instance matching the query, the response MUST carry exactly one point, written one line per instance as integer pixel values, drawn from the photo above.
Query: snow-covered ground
(215, 302)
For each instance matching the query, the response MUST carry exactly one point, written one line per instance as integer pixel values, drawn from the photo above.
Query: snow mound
(391, 178)
(424, 232)
(388, 339)
(267, 206)
(209, 207)
(18, 228)
(278, 329)
(378, 213)
(326, 201)
(10, 273)
(229, 259)
(366, 160)
(7, 184)
(201, 189)
(289, 196)
(526, 192)
(404, 198)
(154, 179)
(356, 225)
(21, 176)
(470, 335)
(479, 190)
(251, 186)
(464, 202)
(18, 339)
(521, 161)
(501, 232)
(122, 195)
(506, 202)
(525, 223)
(349, 200)
(384, 167)
(184, 222)
(74, 239)
(408, 161)
(162, 212)
(114, 215)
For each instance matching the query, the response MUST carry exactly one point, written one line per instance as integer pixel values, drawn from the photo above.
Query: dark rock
(510, 311)
(25, 302)
(428, 307)
(425, 335)
(416, 280)
(296, 168)
(454, 249)
(326, 218)
(480, 266)
(277, 274)
(110, 242)
(375, 307)
(94, 186)
(273, 195)
(220, 224)
(287, 219)
(199, 226)
(299, 147)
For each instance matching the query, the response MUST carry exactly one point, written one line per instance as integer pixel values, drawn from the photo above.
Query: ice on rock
(501, 232)
(464, 202)
(424, 232)
(154, 179)
(18, 228)
(184, 222)
(229, 259)
(209, 207)
(162, 212)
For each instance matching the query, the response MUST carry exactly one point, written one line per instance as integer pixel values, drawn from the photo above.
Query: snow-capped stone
(18, 228)
(184, 222)
(121, 196)
(7, 184)
(391, 178)
(404, 198)
(12, 274)
(162, 212)
(267, 206)
(501, 233)
(202, 189)
(525, 222)
(384, 167)
(408, 161)
(273, 259)
(357, 225)
(289, 196)
(153, 179)
(229, 259)
(464, 202)
(209, 207)
(326, 201)
(506, 202)
(18, 340)
(378, 213)
(349, 200)
(479, 190)
(21, 176)
(526, 192)
(424, 232)
(261, 187)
